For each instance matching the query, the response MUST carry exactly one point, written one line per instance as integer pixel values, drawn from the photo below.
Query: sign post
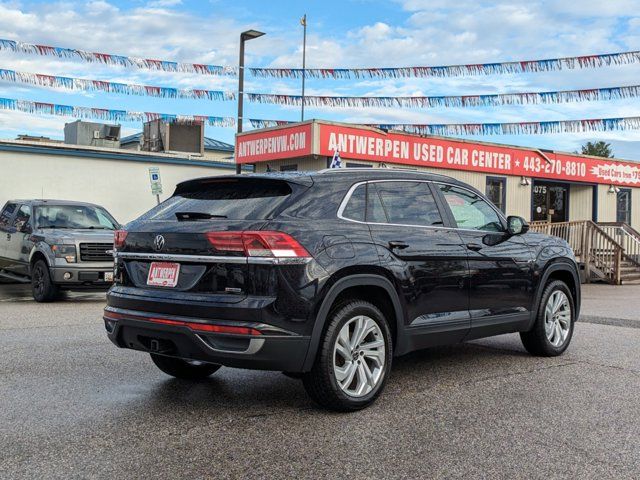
(156, 182)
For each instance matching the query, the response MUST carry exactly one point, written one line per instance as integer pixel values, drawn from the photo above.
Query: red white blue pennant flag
(106, 114)
(120, 60)
(521, 128)
(87, 85)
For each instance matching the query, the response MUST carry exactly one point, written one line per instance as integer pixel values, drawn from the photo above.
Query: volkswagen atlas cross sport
(330, 275)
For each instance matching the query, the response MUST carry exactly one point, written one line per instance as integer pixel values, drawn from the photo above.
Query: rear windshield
(250, 199)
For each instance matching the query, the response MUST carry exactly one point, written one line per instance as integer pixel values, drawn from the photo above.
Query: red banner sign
(363, 144)
(274, 144)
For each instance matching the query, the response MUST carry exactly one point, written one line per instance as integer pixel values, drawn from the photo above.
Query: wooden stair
(629, 273)
(608, 252)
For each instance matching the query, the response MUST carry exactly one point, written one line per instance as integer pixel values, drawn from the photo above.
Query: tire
(371, 365)
(550, 342)
(184, 369)
(42, 288)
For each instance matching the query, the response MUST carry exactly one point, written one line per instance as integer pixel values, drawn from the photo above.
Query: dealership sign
(361, 143)
(274, 144)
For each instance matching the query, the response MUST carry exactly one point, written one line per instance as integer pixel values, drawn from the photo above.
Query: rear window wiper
(196, 216)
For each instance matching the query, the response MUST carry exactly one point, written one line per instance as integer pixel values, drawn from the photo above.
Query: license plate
(108, 276)
(163, 274)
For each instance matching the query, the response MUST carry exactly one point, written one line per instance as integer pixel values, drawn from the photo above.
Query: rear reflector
(257, 244)
(195, 326)
(119, 236)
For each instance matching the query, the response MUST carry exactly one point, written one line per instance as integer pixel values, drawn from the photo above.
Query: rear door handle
(398, 244)
(476, 247)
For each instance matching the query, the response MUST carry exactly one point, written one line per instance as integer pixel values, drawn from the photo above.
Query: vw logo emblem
(158, 243)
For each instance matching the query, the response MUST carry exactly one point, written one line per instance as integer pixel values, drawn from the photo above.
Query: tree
(597, 149)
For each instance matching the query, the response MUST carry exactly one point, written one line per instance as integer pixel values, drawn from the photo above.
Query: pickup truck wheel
(43, 289)
(353, 360)
(184, 369)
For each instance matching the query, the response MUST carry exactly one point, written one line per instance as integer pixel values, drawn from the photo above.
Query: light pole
(303, 22)
(244, 36)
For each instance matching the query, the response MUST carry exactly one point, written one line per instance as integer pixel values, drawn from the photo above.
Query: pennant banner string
(520, 128)
(106, 114)
(87, 85)
(489, 100)
(526, 66)
(461, 101)
(121, 60)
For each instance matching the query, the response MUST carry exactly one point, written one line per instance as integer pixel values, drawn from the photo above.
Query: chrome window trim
(347, 197)
(212, 258)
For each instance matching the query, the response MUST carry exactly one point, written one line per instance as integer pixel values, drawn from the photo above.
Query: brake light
(258, 244)
(119, 236)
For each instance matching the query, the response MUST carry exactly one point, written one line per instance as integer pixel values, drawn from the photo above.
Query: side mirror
(517, 225)
(23, 227)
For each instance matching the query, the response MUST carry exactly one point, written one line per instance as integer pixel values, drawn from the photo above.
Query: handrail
(591, 244)
(628, 237)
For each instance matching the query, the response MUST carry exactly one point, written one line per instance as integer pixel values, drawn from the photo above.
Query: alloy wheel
(38, 277)
(359, 356)
(557, 318)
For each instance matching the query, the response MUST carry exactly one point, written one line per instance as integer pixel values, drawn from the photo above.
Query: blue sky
(365, 33)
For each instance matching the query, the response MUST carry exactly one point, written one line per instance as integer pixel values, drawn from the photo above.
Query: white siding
(121, 186)
(580, 202)
(607, 204)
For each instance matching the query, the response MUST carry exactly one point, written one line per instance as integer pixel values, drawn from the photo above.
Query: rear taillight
(119, 237)
(257, 244)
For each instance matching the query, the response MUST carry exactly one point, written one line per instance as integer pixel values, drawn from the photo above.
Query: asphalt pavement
(75, 406)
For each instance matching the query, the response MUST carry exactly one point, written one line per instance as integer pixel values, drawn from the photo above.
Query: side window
(407, 203)
(22, 217)
(6, 214)
(623, 206)
(375, 210)
(470, 211)
(355, 208)
(496, 190)
(289, 168)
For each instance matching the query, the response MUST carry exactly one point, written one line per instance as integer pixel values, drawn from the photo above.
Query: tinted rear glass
(229, 198)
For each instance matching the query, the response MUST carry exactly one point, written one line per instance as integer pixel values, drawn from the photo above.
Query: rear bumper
(270, 350)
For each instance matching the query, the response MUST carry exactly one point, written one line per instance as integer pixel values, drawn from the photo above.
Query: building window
(358, 165)
(496, 191)
(623, 206)
(289, 168)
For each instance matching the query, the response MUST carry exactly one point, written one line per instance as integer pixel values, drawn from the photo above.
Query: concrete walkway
(611, 305)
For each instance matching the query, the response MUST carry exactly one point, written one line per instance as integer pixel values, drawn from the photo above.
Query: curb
(615, 322)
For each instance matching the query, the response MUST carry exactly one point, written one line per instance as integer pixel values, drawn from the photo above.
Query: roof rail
(385, 170)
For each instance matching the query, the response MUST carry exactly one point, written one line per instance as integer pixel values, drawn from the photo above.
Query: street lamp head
(251, 34)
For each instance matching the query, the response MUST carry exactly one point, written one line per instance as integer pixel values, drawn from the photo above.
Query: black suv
(329, 275)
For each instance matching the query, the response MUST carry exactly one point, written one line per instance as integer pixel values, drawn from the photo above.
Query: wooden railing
(600, 253)
(626, 236)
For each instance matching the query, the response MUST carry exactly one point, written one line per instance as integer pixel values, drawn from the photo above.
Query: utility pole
(303, 21)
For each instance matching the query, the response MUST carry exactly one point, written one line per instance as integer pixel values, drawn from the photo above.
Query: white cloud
(164, 3)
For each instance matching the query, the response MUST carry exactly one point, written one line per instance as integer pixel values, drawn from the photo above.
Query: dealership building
(592, 202)
(539, 185)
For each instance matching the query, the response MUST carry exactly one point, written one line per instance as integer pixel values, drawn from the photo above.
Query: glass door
(550, 201)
